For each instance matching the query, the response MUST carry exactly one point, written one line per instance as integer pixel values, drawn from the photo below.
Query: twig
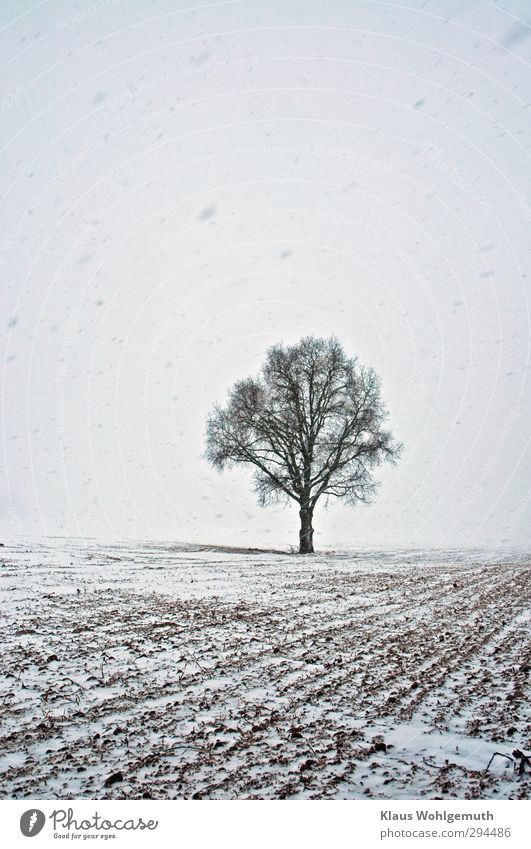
(524, 761)
(501, 755)
(196, 661)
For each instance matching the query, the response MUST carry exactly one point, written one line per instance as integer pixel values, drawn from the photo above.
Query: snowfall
(170, 671)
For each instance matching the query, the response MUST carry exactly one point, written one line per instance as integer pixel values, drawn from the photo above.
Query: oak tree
(311, 425)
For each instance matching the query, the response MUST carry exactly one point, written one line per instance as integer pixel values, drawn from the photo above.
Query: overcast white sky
(185, 184)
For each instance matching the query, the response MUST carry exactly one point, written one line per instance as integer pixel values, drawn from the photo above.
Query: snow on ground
(162, 672)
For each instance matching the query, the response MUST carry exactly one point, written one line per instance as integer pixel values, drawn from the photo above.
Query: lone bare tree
(311, 425)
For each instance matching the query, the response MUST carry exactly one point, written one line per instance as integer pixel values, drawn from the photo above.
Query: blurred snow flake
(207, 213)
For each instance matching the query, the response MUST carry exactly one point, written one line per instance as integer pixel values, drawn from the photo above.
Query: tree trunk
(306, 531)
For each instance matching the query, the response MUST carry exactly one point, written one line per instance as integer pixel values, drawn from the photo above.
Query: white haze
(184, 185)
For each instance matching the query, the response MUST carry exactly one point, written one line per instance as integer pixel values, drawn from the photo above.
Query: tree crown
(311, 423)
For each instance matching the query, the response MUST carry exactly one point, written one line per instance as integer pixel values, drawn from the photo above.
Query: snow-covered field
(174, 672)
